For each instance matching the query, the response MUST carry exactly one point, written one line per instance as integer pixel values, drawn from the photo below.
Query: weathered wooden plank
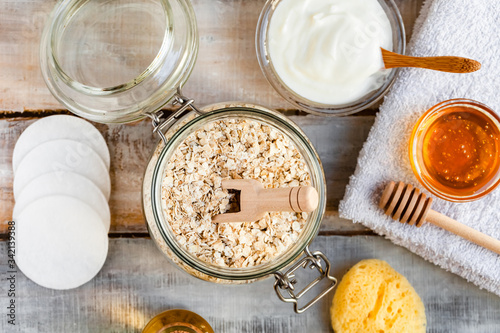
(226, 69)
(337, 141)
(332, 224)
(137, 282)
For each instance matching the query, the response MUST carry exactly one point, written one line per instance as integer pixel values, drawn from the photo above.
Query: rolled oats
(192, 192)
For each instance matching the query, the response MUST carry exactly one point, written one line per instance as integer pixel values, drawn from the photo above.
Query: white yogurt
(328, 51)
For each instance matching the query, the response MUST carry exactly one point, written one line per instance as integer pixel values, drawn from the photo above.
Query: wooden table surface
(136, 281)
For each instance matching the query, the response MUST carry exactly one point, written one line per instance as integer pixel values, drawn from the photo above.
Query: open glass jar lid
(117, 61)
(122, 60)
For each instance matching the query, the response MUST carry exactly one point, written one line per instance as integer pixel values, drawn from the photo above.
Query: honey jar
(178, 321)
(455, 150)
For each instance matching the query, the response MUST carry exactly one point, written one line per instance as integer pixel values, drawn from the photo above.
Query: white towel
(467, 28)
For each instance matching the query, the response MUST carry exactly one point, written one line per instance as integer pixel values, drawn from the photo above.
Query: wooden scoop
(443, 64)
(406, 204)
(255, 200)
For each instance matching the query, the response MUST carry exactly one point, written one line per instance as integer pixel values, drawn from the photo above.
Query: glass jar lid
(116, 61)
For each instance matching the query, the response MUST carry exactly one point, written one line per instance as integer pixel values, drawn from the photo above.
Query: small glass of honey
(178, 321)
(455, 150)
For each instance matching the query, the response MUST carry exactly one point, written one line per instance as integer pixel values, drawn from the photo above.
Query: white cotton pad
(68, 184)
(62, 155)
(61, 242)
(59, 127)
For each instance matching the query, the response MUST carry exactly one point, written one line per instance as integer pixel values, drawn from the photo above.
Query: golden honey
(455, 150)
(178, 321)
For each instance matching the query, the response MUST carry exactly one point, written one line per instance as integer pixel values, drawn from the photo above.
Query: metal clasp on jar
(161, 122)
(286, 281)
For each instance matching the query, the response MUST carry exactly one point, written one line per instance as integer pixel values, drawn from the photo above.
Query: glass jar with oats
(182, 191)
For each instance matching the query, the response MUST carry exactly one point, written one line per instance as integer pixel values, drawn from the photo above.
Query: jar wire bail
(162, 122)
(286, 281)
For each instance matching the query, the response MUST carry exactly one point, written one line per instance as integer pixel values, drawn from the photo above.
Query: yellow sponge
(373, 297)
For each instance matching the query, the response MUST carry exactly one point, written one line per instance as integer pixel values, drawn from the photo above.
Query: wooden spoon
(408, 205)
(443, 64)
(255, 200)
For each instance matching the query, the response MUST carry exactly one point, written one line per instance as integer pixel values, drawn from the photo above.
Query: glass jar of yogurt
(324, 57)
(102, 73)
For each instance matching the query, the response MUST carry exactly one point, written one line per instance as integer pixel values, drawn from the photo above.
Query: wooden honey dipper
(408, 205)
(255, 200)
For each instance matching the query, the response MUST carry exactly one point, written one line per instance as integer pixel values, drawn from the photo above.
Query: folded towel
(467, 28)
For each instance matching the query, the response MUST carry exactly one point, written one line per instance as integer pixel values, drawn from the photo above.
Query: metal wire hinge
(286, 281)
(162, 122)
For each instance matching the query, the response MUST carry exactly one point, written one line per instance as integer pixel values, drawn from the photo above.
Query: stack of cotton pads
(61, 189)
